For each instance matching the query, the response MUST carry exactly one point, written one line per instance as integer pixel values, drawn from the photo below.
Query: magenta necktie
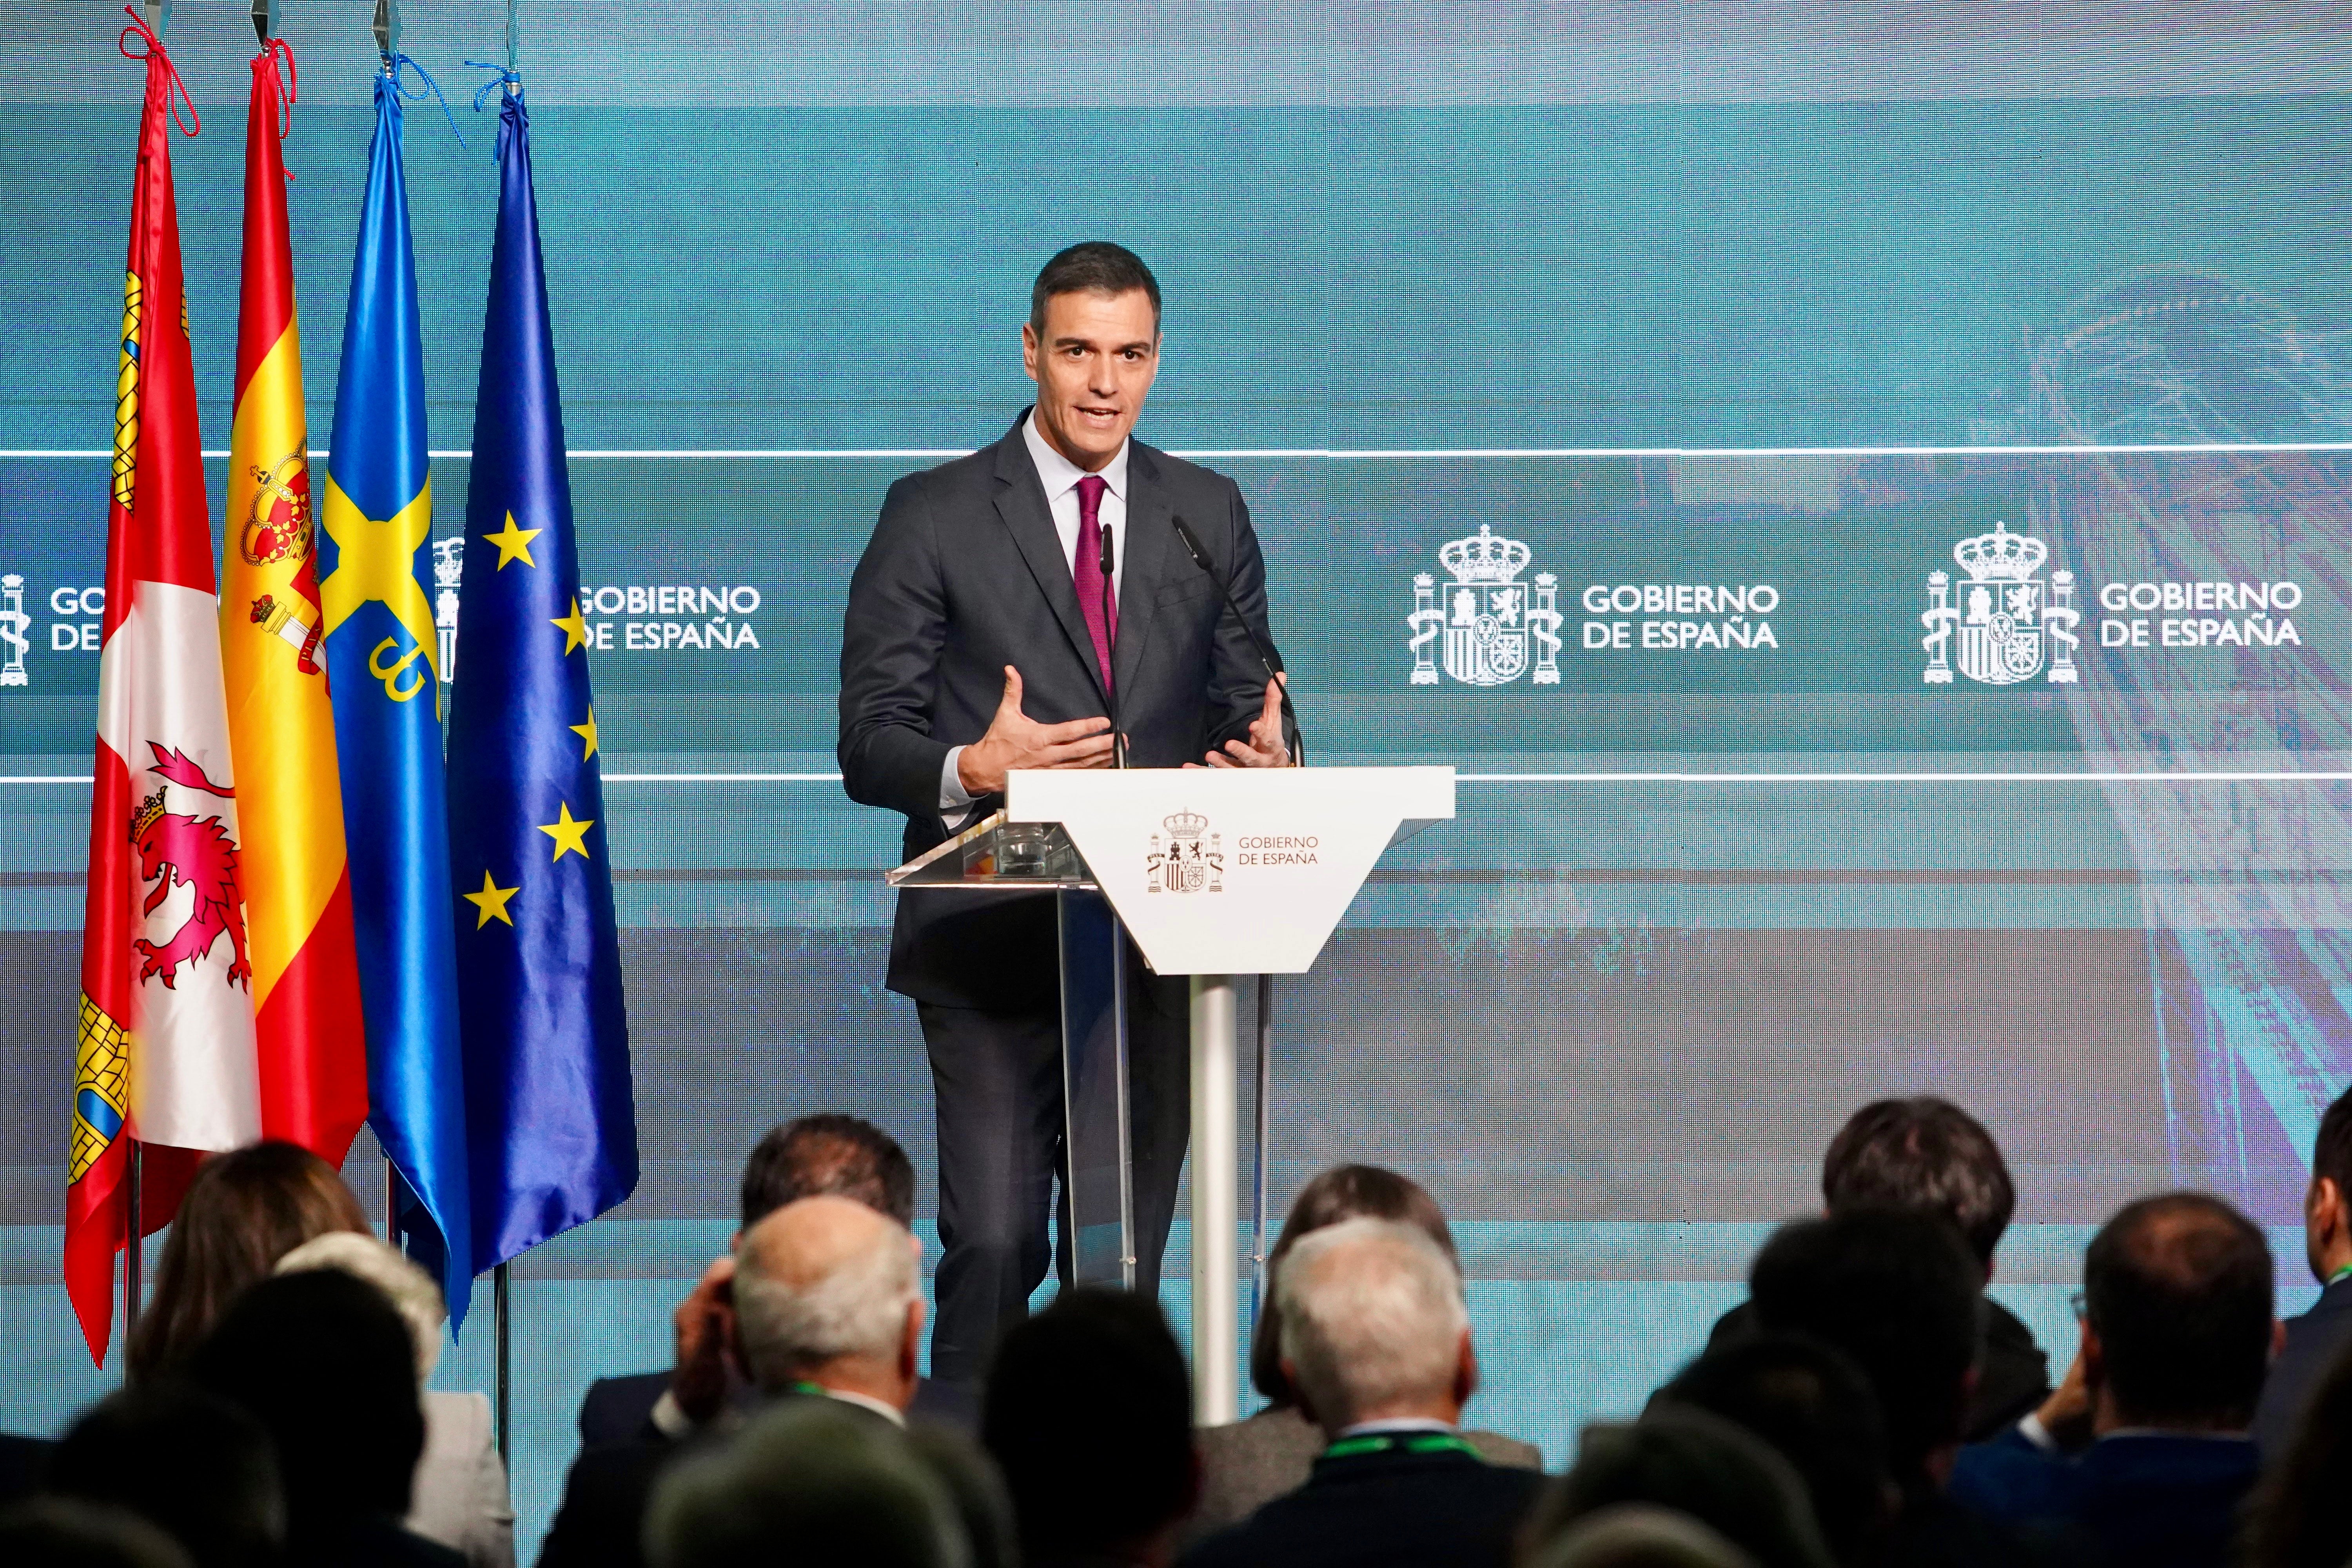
(1102, 620)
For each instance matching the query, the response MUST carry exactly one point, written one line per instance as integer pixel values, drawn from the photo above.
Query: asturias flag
(383, 665)
(165, 1049)
(548, 1106)
(281, 729)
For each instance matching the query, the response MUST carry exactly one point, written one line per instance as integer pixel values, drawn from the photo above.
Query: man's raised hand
(1264, 747)
(1016, 741)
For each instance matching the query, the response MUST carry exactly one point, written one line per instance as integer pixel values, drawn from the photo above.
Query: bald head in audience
(828, 1291)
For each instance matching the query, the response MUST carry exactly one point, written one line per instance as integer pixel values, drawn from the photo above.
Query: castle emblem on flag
(1187, 862)
(1484, 626)
(2007, 617)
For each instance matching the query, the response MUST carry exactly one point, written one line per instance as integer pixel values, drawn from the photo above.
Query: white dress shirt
(1060, 478)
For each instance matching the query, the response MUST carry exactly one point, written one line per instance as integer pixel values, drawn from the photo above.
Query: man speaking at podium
(977, 641)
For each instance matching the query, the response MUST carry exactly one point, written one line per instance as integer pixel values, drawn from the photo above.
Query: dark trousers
(998, 1079)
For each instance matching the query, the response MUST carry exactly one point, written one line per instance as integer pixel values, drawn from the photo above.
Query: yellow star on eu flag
(570, 833)
(587, 732)
(514, 543)
(576, 627)
(491, 901)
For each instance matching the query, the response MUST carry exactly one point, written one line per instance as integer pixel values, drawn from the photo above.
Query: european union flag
(549, 1105)
(382, 668)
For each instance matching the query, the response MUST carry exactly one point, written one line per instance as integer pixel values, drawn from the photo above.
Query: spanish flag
(163, 1055)
(309, 1034)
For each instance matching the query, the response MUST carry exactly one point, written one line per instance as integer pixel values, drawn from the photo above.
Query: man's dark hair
(190, 1463)
(2178, 1289)
(1088, 1411)
(325, 1364)
(1923, 1153)
(842, 1155)
(1695, 1464)
(1898, 1292)
(2331, 1152)
(1091, 266)
(68, 1532)
(1813, 1405)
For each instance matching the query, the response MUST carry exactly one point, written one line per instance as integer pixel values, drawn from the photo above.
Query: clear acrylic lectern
(997, 856)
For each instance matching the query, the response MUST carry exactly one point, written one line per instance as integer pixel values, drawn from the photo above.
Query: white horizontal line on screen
(1339, 454)
(2185, 776)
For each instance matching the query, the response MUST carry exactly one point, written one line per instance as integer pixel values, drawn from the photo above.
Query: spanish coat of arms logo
(1186, 862)
(1485, 625)
(2009, 619)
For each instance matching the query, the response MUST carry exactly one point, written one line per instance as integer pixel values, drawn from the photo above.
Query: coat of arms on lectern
(2008, 618)
(1186, 861)
(1484, 625)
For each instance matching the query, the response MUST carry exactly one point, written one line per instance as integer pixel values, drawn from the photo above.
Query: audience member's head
(828, 1291)
(2298, 1519)
(843, 1155)
(1923, 1153)
(190, 1463)
(1088, 1410)
(67, 1532)
(2327, 1205)
(1343, 1192)
(2176, 1315)
(412, 1292)
(324, 1363)
(1374, 1326)
(1812, 1405)
(1898, 1292)
(1638, 1535)
(809, 1482)
(1695, 1464)
(974, 1486)
(243, 1211)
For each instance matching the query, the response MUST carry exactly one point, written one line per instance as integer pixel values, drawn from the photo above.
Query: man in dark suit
(2176, 1331)
(843, 1156)
(2319, 1336)
(1376, 1342)
(977, 641)
(827, 1303)
(1928, 1153)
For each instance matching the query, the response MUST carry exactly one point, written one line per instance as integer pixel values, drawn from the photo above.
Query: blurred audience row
(1867, 1406)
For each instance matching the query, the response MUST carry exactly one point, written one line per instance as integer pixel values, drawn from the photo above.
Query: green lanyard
(1410, 1442)
(2342, 1273)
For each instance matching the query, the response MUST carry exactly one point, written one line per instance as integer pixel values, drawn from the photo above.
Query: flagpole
(130, 1246)
(499, 1278)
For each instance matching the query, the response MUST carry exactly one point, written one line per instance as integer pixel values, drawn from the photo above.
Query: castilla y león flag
(165, 1050)
(281, 728)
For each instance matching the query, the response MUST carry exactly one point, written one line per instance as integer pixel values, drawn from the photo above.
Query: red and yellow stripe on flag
(163, 1054)
(310, 1035)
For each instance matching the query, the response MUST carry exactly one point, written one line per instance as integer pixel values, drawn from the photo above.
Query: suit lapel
(1021, 503)
(1149, 537)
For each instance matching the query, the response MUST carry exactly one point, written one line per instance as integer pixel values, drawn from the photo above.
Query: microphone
(1110, 618)
(1265, 656)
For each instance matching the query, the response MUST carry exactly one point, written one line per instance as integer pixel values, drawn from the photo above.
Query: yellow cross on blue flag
(549, 1107)
(383, 676)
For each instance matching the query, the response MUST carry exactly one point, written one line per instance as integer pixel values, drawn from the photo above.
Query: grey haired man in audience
(1376, 1341)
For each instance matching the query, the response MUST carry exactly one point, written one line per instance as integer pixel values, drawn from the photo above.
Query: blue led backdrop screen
(1862, 492)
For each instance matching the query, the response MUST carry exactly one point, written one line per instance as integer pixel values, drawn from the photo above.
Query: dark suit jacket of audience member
(2152, 1500)
(621, 1409)
(2012, 1374)
(603, 1520)
(1443, 1509)
(1247, 1464)
(2313, 1340)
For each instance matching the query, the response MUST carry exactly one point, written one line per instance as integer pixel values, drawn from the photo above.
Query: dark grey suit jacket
(964, 576)
(2313, 1340)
